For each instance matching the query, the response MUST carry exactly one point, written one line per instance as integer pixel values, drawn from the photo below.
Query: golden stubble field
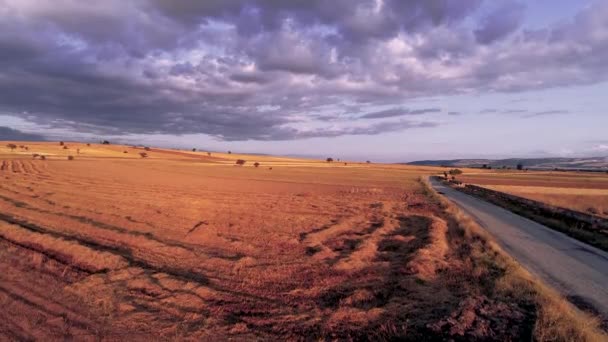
(183, 245)
(582, 191)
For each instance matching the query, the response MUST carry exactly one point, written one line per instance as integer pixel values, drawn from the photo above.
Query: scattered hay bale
(125, 151)
(35, 155)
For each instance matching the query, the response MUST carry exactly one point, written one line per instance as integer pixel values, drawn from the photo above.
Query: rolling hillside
(592, 163)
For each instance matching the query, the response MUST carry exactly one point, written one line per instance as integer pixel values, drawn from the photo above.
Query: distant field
(591, 201)
(580, 180)
(585, 192)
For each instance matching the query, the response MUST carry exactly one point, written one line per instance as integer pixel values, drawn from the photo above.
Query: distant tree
(345, 164)
(42, 157)
(70, 157)
(105, 142)
(256, 164)
(143, 154)
(445, 175)
(78, 150)
(241, 162)
(194, 150)
(455, 172)
(229, 152)
(329, 160)
(11, 146)
(367, 161)
(209, 154)
(88, 144)
(61, 143)
(520, 166)
(484, 166)
(35, 155)
(65, 147)
(147, 148)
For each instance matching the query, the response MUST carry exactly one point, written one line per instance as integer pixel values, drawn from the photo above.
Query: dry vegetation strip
(590, 201)
(174, 249)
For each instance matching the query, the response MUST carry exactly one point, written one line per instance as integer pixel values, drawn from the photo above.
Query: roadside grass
(556, 319)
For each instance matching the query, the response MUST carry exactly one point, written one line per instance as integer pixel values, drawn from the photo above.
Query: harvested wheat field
(186, 245)
(582, 191)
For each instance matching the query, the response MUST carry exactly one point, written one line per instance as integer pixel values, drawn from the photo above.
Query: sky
(381, 80)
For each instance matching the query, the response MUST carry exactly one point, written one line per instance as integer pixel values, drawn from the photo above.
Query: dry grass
(590, 201)
(557, 319)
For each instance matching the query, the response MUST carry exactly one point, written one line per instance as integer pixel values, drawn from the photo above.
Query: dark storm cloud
(393, 112)
(265, 69)
(10, 134)
(501, 22)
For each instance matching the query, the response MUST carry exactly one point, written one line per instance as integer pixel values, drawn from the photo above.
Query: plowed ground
(165, 248)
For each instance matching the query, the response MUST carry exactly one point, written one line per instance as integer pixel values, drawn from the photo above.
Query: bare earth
(578, 270)
(186, 245)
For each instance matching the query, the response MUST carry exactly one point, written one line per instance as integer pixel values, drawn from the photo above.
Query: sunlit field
(582, 191)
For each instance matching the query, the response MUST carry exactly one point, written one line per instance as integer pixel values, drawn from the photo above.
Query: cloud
(11, 134)
(600, 148)
(266, 69)
(501, 22)
(454, 113)
(546, 113)
(393, 112)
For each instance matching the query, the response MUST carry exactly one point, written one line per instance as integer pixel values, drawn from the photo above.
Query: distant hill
(592, 164)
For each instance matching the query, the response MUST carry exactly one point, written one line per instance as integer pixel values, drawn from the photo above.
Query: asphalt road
(572, 267)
